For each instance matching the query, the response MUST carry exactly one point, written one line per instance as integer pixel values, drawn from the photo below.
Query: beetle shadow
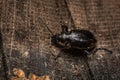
(74, 52)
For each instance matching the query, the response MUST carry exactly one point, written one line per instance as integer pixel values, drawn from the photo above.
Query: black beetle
(82, 40)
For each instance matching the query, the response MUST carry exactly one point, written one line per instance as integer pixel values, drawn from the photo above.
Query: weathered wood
(3, 62)
(26, 39)
(103, 18)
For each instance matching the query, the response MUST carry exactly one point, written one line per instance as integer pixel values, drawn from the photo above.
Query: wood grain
(26, 39)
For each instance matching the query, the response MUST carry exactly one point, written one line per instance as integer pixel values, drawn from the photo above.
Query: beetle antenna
(87, 52)
(97, 49)
(49, 30)
(71, 18)
(43, 22)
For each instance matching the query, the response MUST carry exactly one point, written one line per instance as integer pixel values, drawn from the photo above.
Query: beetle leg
(67, 44)
(102, 49)
(87, 52)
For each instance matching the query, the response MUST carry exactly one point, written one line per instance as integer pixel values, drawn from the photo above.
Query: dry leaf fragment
(33, 77)
(44, 78)
(20, 75)
(18, 72)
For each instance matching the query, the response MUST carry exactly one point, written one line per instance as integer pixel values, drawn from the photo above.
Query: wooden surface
(26, 39)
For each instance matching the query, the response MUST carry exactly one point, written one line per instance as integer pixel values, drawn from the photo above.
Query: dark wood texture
(26, 39)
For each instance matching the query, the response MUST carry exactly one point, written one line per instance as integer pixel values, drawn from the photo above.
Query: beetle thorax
(69, 36)
(63, 36)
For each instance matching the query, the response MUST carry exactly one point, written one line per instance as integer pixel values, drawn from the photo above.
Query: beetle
(82, 40)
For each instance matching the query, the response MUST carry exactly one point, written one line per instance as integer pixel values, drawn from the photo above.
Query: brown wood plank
(102, 17)
(3, 63)
(27, 40)
(105, 15)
